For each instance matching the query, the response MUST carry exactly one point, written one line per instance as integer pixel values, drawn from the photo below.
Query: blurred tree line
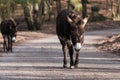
(36, 11)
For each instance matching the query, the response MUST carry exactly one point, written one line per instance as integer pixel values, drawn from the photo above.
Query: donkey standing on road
(9, 32)
(70, 31)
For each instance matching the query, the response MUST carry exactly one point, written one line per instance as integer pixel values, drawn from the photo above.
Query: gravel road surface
(42, 60)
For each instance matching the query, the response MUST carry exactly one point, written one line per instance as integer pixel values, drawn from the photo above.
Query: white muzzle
(14, 39)
(78, 46)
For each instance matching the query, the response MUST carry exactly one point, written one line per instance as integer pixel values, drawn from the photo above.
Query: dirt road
(42, 60)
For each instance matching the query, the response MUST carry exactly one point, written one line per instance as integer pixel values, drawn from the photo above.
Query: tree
(58, 4)
(75, 5)
(34, 11)
(50, 8)
(7, 9)
(84, 8)
(118, 9)
(115, 9)
(28, 15)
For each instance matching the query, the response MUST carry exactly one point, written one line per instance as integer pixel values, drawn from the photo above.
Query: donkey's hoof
(64, 66)
(72, 67)
(76, 66)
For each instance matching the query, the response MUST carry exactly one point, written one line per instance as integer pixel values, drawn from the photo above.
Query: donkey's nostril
(78, 46)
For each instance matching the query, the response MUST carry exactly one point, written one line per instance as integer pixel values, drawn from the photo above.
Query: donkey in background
(9, 32)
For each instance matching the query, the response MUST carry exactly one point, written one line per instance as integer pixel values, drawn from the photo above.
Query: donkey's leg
(10, 43)
(77, 60)
(64, 53)
(4, 43)
(71, 51)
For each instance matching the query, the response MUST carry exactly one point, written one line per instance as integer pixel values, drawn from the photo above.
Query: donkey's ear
(13, 21)
(85, 21)
(69, 20)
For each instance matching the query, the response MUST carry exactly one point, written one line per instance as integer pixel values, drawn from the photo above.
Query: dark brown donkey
(70, 31)
(9, 32)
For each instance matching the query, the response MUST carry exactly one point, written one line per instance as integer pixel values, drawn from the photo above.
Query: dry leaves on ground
(111, 44)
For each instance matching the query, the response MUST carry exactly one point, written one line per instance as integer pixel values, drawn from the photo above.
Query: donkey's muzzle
(13, 39)
(77, 46)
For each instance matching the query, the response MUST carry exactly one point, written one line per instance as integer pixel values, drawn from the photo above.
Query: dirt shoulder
(110, 44)
(23, 36)
(102, 25)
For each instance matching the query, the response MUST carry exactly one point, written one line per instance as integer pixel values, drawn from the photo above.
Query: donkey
(9, 32)
(70, 31)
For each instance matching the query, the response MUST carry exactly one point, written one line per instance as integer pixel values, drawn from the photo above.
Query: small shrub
(95, 8)
(95, 16)
(98, 17)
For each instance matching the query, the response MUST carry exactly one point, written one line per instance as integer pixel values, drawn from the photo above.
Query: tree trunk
(36, 16)
(107, 5)
(118, 9)
(28, 16)
(58, 4)
(50, 9)
(84, 9)
(68, 2)
(41, 13)
(112, 8)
